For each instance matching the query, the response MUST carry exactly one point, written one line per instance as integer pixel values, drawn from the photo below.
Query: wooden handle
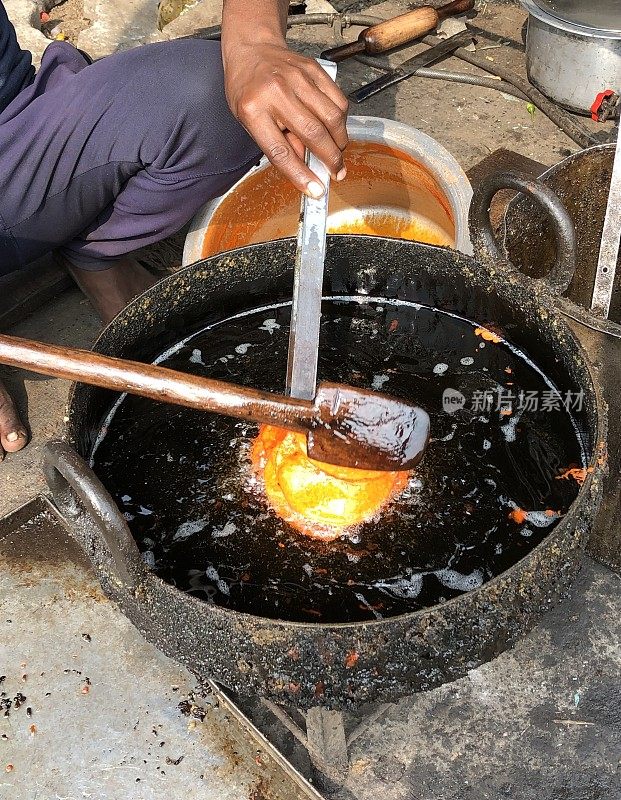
(400, 30)
(455, 8)
(157, 383)
(407, 27)
(397, 31)
(344, 51)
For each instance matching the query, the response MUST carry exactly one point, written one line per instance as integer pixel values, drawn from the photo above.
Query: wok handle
(92, 516)
(486, 246)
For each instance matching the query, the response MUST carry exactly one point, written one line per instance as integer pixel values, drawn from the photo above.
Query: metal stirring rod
(308, 282)
(609, 248)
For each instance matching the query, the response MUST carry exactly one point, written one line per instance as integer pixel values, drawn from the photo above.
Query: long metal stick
(308, 282)
(157, 383)
(609, 248)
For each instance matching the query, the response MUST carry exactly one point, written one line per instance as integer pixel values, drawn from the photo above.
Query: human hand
(287, 102)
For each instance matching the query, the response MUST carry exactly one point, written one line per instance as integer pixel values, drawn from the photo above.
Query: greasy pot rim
(596, 462)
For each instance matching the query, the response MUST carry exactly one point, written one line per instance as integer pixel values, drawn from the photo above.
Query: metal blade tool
(409, 68)
(308, 282)
(609, 248)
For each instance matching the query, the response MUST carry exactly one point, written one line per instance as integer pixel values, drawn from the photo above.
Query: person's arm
(284, 100)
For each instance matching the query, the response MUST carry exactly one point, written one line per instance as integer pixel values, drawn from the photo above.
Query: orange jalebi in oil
(318, 499)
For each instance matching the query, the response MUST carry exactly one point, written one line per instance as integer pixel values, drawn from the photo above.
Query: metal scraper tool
(409, 68)
(609, 247)
(308, 282)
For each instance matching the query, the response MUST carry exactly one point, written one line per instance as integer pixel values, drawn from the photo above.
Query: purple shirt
(16, 70)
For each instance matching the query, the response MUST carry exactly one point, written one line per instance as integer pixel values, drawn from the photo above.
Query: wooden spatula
(345, 426)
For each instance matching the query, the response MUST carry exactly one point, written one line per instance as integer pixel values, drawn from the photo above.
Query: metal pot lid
(582, 17)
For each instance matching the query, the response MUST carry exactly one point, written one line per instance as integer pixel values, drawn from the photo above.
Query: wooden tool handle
(407, 27)
(157, 383)
(455, 8)
(400, 30)
(397, 31)
(344, 51)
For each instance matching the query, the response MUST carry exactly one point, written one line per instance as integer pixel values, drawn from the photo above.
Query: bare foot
(109, 291)
(113, 287)
(13, 434)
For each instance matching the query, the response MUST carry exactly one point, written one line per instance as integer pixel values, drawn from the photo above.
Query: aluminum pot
(581, 182)
(310, 664)
(573, 50)
(400, 183)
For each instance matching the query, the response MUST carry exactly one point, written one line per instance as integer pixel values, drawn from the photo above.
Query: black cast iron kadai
(247, 633)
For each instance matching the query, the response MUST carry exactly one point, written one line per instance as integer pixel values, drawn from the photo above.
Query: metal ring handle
(486, 246)
(81, 498)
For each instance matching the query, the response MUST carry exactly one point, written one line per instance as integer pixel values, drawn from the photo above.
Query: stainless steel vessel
(573, 50)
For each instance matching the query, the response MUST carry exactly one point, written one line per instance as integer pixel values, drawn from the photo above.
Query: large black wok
(302, 663)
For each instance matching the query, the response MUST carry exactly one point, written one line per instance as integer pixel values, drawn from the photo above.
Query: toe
(13, 434)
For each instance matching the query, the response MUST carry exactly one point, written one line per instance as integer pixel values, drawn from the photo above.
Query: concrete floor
(541, 721)
(67, 320)
(100, 715)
